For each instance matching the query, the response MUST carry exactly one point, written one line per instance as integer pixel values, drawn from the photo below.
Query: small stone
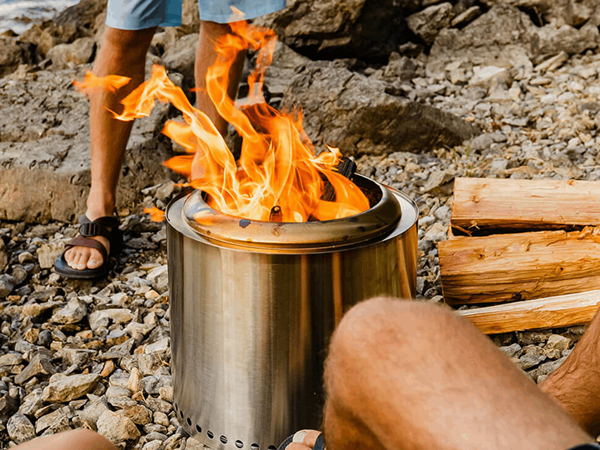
(153, 445)
(74, 311)
(512, 351)
(109, 367)
(25, 257)
(116, 427)
(45, 338)
(139, 415)
(39, 365)
(490, 76)
(47, 254)
(11, 359)
(20, 429)
(67, 388)
(93, 411)
(102, 318)
(558, 342)
(152, 384)
(31, 402)
(472, 13)
(7, 284)
(166, 393)
(56, 421)
(156, 404)
(532, 357)
(161, 418)
(159, 278)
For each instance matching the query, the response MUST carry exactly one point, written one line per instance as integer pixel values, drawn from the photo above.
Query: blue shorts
(141, 14)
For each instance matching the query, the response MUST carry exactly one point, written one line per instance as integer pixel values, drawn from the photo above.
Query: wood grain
(487, 205)
(553, 312)
(520, 266)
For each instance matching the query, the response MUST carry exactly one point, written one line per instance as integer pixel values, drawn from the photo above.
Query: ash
(417, 95)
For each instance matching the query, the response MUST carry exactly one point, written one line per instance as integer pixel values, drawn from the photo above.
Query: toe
(82, 259)
(95, 260)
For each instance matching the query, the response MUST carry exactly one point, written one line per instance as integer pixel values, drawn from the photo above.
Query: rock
(557, 342)
(481, 142)
(74, 311)
(490, 76)
(47, 253)
(156, 404)
(20, 428)
(339, 28)
(159, 277)
(466, 16)
(3, 256)
(153, 445)
(44, 136)
(117, 427)
(181, 58)
(506, 37)
(56, 421)
(39, 365)
(427, 23)
(7, 284)
(25, 257)
(103, 317)
(347, 110)
(92, 412)
(152, 384)
(119, 351)
(139, 415)
(11, 359)
(286, 63)
(13, 54)
(68, 55)
(512, 351)
(532, 357)
(67, 388)
(31, 402)
(8, 406)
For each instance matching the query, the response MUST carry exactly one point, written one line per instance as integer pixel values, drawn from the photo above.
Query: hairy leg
(71, 440)
(576, 383)
(408, 375)
(123, 53)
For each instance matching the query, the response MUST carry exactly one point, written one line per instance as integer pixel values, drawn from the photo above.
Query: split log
(521, 266)
(554, 312)
(487, 205)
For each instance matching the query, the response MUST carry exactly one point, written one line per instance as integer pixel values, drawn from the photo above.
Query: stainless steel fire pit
(253, 305)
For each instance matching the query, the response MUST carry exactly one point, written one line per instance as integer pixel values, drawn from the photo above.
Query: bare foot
(81, 258)
(304, 440)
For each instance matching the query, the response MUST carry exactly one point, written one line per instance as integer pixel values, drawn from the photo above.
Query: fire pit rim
(407, 214)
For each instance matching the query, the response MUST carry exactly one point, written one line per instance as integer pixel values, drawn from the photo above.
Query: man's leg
(123, 53)
(71, 440)
(576, 383)
(408, 375)
(206, 55)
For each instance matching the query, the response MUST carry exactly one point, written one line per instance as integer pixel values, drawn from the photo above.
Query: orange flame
(156, 215)
(108, 83)
(278, 165)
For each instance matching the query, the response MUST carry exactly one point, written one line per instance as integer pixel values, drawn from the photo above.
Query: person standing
(131, 25)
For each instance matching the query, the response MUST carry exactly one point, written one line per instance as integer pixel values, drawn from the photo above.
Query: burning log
(484, 205)
(276, 215)
(561, 311)
(346, 167)
(521, 266)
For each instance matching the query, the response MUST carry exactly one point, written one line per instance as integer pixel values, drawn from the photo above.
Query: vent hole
(271, 447)
(210, 434)
(176, 407)
(189, 422)
(181, 414)
(223, 439)
(198, 429)
(254, 447)
(239, 444)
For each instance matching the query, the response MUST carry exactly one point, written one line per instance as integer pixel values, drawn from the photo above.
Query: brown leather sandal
(107, 227)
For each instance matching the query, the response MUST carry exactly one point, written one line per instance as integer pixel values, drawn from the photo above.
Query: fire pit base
(250, 327)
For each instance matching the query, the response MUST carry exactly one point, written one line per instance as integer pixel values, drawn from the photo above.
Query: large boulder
(45, 149)
(505, 36)
(557, 12)
(339, 28)
(350, 111)
(13, 54)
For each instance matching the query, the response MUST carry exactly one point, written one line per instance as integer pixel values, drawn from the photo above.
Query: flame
(156, 215)
(108, 83)
(278, 165)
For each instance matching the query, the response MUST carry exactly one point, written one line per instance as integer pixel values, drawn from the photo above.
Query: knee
(377, 327)
(128, 42)
(214, 29)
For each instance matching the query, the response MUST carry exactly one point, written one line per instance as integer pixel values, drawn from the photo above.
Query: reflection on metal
(250, 325)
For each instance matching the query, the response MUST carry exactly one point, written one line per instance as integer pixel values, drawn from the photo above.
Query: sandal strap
(103, 226)
(81, 241)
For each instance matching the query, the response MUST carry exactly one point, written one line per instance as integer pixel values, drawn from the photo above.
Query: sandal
(319, 443)
(107, 227)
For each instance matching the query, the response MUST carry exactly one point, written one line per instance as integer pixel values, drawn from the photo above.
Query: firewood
(487, 205)
(553, 312)
(521, 266)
